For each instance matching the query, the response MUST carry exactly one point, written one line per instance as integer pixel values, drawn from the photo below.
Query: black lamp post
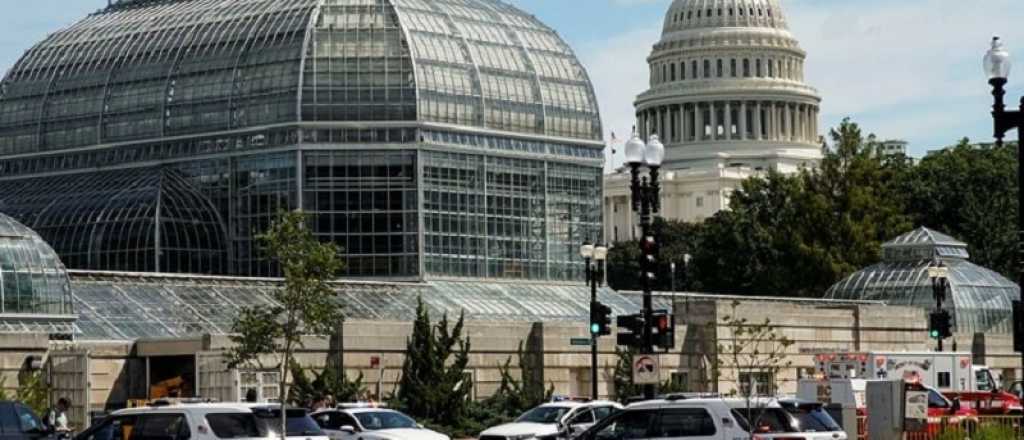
(939, 274)
(646, 198)
(997, 67)
(593, 256)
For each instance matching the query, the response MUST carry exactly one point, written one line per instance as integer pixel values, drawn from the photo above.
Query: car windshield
(814, 419)
(543, 414)
(299, 423)
(374, 420)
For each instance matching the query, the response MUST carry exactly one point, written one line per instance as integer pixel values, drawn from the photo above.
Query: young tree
(327, 382)
(517, 395)
(751, 350)
(304, 305)
(433, 384)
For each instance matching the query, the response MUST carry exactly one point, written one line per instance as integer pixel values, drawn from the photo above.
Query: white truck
(952, 372)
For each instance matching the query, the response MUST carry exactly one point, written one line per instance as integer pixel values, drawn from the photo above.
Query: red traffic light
(647, 245)
(662, 322)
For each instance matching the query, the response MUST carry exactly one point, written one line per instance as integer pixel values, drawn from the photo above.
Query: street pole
(645, 268)
(644, 194)
(592, 278)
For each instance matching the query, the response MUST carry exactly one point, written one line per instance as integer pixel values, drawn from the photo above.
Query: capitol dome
(33, 280)
(726, 88)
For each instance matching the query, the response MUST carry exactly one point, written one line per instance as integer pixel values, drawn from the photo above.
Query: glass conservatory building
(455, 138)
(35, 291)
(979, 298)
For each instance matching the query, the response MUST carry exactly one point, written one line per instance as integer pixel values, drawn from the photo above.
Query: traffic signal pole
(645, 269)
(592, 277)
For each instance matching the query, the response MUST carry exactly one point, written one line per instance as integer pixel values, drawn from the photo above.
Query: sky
(905, 69)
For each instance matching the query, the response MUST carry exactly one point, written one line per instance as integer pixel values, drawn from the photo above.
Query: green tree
(796, 235)
(327, 381)
(751, 351)
(303, 306)
(517, 395)
(970, 192)
(32, 390)
(675, 240)
(434, 386)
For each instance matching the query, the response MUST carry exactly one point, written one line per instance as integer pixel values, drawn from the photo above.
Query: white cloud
(919, 62)
(618, 68)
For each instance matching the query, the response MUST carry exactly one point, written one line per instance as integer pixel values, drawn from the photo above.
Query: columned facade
(727, 98)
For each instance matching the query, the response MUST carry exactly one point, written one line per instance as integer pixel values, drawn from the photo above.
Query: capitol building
(727, 99)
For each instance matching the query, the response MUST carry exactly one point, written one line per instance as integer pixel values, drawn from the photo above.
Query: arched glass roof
(144, 69)
(33, 281)
(979, 298)
(141, 219)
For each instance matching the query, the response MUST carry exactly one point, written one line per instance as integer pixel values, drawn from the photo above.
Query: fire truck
(946, 372)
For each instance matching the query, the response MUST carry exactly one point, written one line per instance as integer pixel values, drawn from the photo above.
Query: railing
(961, 428)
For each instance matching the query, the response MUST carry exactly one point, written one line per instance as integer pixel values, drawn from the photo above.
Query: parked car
(19, 422)
(368, 423)
(298, 423)
(564, 418)
(204, 421)
(703, 419)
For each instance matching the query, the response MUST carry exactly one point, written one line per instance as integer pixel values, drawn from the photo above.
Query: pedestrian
(250, 395)
(318, 404)
(57, 418)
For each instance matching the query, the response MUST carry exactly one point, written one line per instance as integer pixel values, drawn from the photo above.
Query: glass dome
(979, 298)
(142, 69)
(33, 281)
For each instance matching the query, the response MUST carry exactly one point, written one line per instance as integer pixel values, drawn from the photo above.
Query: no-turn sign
(645, 370)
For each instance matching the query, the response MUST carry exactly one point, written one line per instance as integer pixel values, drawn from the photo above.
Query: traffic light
(631, 330)
(1018, 326)
(940, 324)
(600, 319)
(648, 250)
(663, 330)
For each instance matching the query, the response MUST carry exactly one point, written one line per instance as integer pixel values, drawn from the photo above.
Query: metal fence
(961, 428)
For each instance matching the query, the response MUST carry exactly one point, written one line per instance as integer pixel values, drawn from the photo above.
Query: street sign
(579, 341)
(645, 369)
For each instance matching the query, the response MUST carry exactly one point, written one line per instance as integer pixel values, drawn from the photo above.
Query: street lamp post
(997, 66)
(645, 194)
(939, 275)
(594, 256)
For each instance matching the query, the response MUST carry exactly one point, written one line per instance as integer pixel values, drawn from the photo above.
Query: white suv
(555, 418)
(702, 419)
(207, 421)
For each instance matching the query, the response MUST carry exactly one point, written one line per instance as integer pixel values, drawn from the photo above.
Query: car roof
(731, 402)
(577, 404)
(357, 410)
(197, 407)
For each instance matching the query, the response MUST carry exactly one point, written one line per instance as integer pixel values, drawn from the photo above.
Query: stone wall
(117, 370)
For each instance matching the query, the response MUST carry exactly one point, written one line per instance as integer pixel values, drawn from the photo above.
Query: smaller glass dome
(33, 281)
(979, 298)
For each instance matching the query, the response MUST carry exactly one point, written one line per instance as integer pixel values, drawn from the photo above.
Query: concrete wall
(117, 370)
